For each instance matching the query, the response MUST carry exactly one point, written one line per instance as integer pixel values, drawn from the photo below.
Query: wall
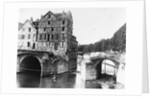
(25, 36)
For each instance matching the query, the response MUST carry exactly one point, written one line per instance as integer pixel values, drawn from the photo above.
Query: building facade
(27, 36)
(51, 33)
(55, 33)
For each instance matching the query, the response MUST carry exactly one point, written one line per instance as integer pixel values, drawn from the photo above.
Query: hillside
(116, 43)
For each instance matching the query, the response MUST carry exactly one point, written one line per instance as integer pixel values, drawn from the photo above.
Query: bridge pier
(47, 68)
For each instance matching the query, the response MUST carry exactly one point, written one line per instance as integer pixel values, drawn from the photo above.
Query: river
(75, 79)
(65, 80)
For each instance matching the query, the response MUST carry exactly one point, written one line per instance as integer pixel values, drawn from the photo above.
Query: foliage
(116, 43)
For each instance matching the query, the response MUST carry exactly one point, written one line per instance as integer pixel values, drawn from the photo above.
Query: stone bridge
(41, 62)
(94, 68)
(99, 65)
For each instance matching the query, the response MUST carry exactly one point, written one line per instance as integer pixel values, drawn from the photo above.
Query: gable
(27, 27)
(48, 16)
(27, 24)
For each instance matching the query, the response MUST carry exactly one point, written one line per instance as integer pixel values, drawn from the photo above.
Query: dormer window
(49, 16)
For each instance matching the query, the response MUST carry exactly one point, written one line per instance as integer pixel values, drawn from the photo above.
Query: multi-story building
(55, 34)
(27, 36)
(51, 33)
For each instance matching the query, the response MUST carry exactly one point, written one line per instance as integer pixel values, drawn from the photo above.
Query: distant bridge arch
(99, 62)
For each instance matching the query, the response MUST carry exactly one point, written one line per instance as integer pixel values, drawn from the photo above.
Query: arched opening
(106, 70)
(108, 67)
(99, 70)
(30, 65)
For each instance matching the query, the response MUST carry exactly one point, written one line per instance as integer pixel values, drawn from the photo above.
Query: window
(56, 46)
(23, 37)
(63, 36)
(40, 37)
(52, 29)
(52, 37)
(29, 36)
(48, 37)
(29, 29)
(49, 16)
(63, 28)
(56, 36)
(44, 29)
(49, 22)
(33, 47)
(63, 22)
(28, 44)
(43, 36)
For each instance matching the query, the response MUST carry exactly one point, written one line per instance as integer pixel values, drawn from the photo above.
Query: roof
(58, 15)
(49, 12)
(21, 25)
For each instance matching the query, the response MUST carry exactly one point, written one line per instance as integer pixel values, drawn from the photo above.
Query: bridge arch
(99, 66)
(30, 64)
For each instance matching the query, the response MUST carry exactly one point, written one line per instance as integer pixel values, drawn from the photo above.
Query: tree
(116, 43)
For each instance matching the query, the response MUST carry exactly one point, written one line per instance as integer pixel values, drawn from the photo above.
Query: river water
(75, 79)
(65, 80)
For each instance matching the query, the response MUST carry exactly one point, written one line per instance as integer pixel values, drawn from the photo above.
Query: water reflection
(28, 80)
(65, 80)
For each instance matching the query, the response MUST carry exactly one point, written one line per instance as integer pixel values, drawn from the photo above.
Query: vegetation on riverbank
(116, 43)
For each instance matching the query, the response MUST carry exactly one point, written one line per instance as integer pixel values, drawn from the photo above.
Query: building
(55, 33)
(51, 33)
(26, 36)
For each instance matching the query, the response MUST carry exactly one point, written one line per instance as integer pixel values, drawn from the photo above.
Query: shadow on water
(31, 80)
(28, 79)
(65, 80)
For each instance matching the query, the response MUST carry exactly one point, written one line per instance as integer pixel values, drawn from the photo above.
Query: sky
(89, 24)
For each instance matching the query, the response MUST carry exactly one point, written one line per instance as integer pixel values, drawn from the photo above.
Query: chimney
(31, 19)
